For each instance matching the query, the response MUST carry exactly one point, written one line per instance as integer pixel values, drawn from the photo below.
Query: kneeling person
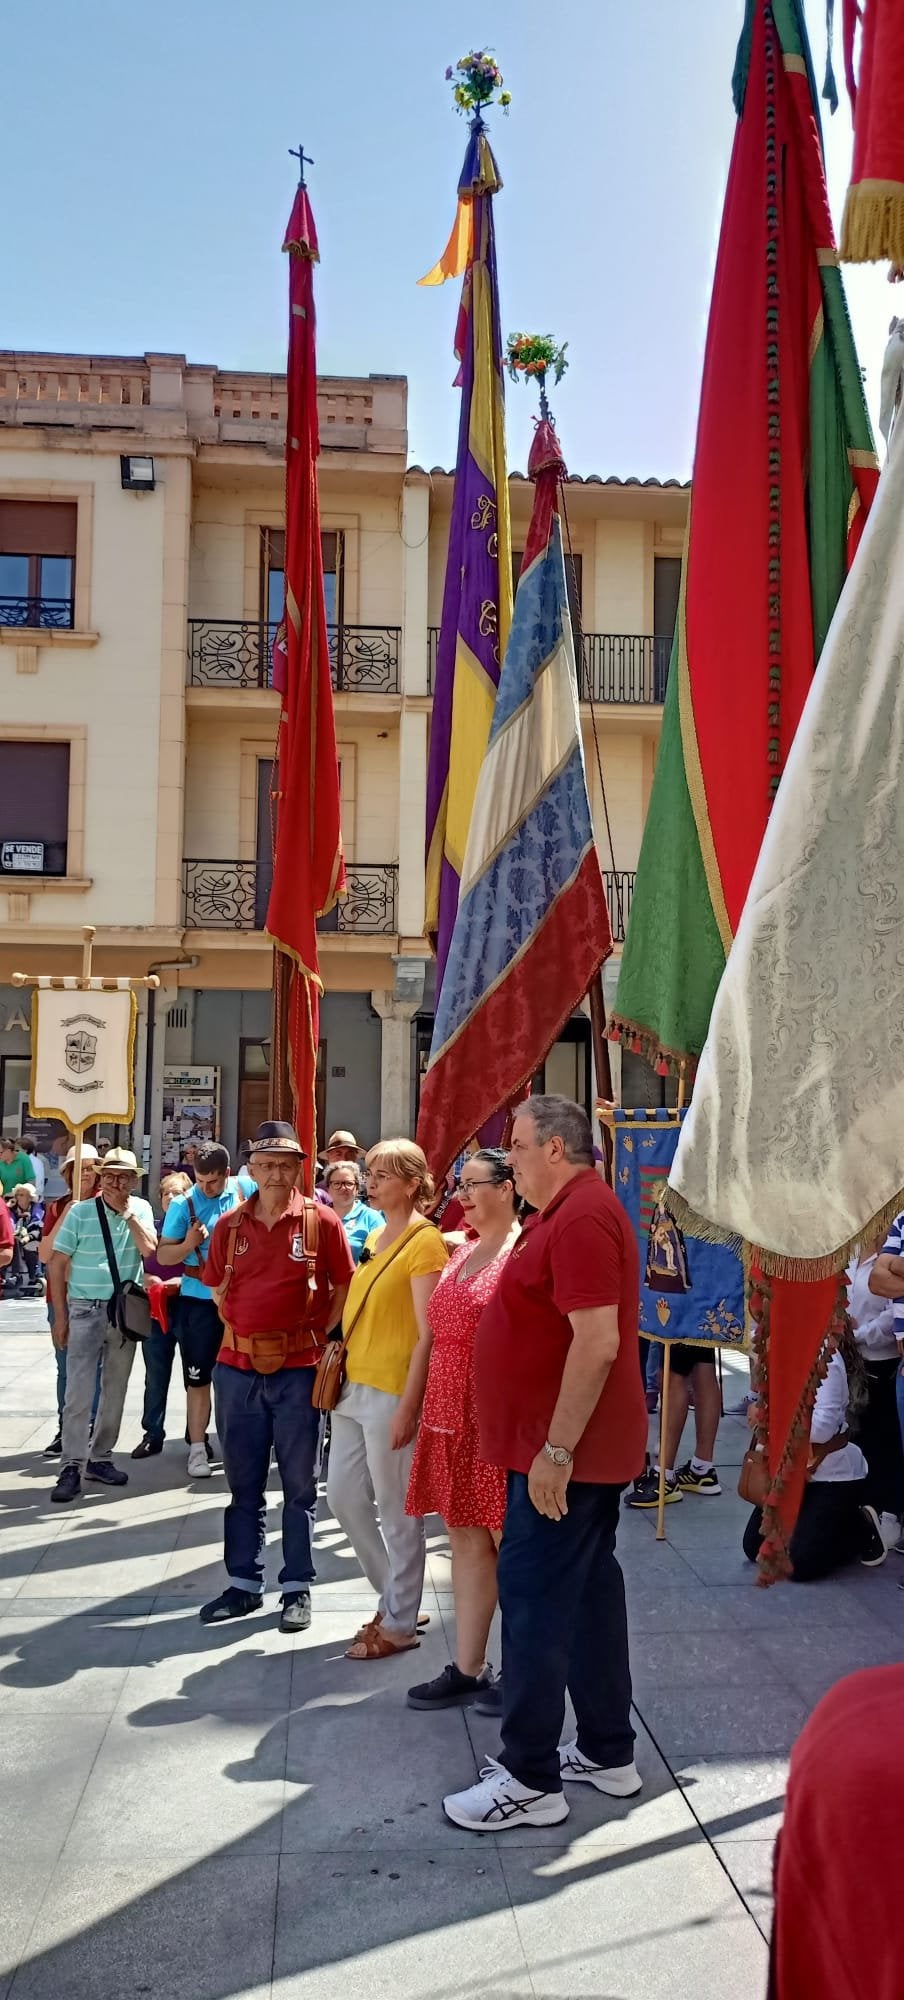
(280, 1268)
(185, 1239)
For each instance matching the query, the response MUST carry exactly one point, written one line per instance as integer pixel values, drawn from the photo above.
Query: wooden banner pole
(663, 1429)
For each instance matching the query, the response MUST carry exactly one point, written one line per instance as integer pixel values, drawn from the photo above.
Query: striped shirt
(894, 1247)
(80, 1238)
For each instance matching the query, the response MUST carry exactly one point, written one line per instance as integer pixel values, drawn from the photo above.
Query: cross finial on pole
(304, 160)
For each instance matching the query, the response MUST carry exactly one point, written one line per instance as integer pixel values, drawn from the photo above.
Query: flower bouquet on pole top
(535, 354)
(478, 78)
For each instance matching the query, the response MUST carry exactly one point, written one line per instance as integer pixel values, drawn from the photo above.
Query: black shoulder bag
(130, 1308)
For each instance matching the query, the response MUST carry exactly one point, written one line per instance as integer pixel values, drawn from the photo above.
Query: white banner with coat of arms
(83, 1056)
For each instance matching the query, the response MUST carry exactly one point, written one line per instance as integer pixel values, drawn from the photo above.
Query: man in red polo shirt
(279, 1268)
(561, 1406)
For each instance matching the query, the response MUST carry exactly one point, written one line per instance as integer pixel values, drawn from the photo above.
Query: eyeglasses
(467, 1187)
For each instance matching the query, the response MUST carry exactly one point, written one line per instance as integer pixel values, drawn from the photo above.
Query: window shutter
(38, 527)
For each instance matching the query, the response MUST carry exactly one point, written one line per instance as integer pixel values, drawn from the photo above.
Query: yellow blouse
(385, 1332)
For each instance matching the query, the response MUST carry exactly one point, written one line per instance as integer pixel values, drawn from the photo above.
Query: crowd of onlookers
(524, 1272)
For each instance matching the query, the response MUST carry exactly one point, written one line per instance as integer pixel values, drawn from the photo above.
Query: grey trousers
(92, 1338)
(366, 1476)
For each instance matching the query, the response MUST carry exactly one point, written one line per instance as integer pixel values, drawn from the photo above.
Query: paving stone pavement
(232, 1814)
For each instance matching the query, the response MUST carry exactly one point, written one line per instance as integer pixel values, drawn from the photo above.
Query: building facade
(141, 553)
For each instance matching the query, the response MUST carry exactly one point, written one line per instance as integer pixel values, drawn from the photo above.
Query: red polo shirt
(268, 1291)
(578, 1253)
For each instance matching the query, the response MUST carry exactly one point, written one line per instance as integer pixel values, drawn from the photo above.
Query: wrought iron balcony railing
(233, 896)
(237, 652)
(618, 668)
(619, 891)
(36, 611)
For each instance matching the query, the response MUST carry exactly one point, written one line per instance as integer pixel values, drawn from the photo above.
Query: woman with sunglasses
(448, 1476)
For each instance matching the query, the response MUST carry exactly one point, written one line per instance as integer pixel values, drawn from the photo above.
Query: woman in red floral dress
(448, 1476)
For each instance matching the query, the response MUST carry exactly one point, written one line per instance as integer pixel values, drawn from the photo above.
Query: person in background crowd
(6, 1241)
(53, 1216)
(82, 1288)
(55, 1188)
(561, 1410)
(38, 1172)
(693, 1371)
(189, 1157)
(374, 1423)
(158, 1351)
(344, 1184)
(185, 1242)
(28, 1226)
(886, 1281)
(15, 1166)
(103, 1148)
(448, 1476)
(342, 1146)
(279, 1269)
(836, 1524)
(877, 1428)
(838, 1931)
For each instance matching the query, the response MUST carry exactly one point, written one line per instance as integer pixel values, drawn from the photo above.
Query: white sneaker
(622, 1782)
(889, 1529)
(198, 1462)
(498, 1802)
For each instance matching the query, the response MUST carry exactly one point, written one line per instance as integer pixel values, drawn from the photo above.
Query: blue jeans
(257, 1415)
(562, 1597)
(159, 1352)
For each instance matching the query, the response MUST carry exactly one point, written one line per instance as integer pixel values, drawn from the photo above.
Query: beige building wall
(162, 771)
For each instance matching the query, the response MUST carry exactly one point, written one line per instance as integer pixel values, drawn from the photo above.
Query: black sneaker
(232, 1603)
(450, 1689)
(874, 1549)
(54, 1448)
(489, 1701)
(211, 1454)
(697, 1482)
(106, 1473)
(148, 1448)
(295, 1611)
(69, 1484)
(645, 1491)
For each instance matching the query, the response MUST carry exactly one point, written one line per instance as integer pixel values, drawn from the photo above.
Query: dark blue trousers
(564, 1626)
(257, 1415)
(159, 1351)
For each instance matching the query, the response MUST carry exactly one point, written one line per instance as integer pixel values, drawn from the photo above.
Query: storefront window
(15, 1075)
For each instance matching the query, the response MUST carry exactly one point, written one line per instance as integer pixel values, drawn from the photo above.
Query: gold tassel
(873, 226)
(774, 1263)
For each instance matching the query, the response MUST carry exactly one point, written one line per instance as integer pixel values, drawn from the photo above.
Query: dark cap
(275, 1136)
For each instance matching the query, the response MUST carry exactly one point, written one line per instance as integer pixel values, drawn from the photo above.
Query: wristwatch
(558, 1454)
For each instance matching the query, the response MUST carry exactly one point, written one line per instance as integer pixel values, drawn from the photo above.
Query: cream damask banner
(83, 1056)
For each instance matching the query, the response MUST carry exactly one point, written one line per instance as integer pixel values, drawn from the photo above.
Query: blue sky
(150, 156)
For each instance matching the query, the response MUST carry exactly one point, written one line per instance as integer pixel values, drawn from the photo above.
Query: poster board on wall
(191, 1109)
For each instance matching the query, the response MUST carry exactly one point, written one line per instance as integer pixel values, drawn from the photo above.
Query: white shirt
(830, 1415)
(874, 1319)
(38, 1174)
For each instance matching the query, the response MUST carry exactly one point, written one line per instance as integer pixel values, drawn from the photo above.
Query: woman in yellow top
(373, 1425)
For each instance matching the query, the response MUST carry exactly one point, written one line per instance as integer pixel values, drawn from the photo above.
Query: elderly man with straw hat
(83, 1288)
(279, 1268)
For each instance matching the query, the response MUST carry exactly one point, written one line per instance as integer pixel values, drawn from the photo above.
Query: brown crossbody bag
(329, 1379)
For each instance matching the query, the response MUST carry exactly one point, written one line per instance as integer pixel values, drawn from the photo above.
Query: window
(273, 577)
(666, 590)
(37, 562)
(574, 577)
(34, 808)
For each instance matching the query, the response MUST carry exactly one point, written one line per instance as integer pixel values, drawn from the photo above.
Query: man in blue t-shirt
(185, 1239)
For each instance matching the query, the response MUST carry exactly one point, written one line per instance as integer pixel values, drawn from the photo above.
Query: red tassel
(850, 15)
(662, 1068)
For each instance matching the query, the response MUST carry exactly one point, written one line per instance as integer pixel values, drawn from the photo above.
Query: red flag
(308, 868)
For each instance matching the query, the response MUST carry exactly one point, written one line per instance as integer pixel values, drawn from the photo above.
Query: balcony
(236, 653)
(233, 896)
(31, 612)
(617, 669)
(619, 892)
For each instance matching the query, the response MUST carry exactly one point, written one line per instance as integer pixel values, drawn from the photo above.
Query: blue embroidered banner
(689, 1290)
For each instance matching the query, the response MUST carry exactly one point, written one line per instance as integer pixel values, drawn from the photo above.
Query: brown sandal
(374, 1645)
(423, 1620)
